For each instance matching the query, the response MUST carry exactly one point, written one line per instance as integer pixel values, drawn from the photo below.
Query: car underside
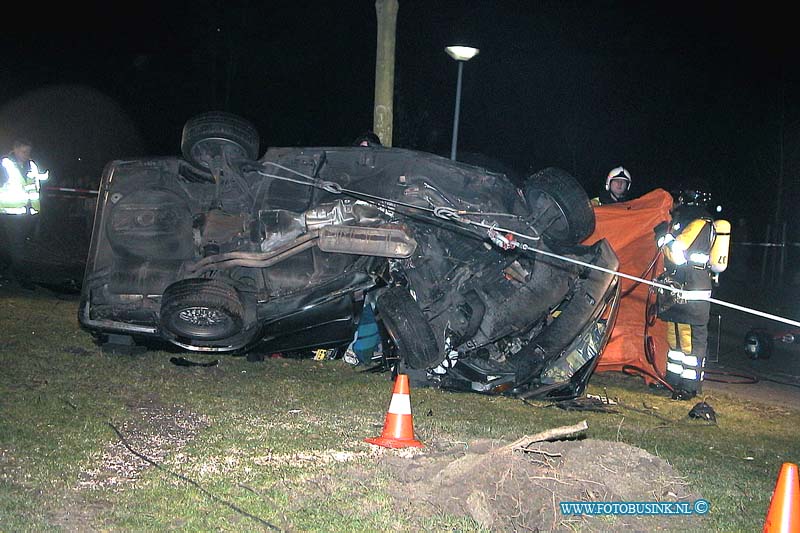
(477, 284)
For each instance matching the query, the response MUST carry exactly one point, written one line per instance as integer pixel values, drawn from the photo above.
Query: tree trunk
(386, 11)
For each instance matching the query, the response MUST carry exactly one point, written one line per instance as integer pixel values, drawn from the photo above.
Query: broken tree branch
(558, 433)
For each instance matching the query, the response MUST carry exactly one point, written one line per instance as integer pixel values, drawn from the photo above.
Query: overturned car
(478, 285)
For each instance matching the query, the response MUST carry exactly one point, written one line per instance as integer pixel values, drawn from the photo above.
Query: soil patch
(154, 431)
(512, 490)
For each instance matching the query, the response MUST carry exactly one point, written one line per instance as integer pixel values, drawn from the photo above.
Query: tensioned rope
(453, 215)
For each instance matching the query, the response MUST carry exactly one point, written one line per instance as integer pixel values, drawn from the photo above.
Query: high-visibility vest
(19, 195)
(689, 244)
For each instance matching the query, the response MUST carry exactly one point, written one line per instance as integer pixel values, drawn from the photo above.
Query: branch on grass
(558, 433)
(548, 454)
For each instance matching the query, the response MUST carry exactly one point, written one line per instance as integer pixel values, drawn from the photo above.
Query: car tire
(408, 328)
(217, 133)
(201, 309)
(560, 207)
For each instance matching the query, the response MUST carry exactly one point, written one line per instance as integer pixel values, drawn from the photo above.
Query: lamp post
(461, 54)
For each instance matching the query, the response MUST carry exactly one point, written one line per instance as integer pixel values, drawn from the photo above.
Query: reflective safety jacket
(689, 245)
(687, 251)
(19, 191)
(605, 198)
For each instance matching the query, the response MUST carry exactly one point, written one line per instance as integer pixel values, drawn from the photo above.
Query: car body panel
(425, 219)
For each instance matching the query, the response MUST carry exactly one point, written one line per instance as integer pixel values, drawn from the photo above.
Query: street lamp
(461, 54)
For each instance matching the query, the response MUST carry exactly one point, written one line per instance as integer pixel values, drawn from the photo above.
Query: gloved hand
(662, 234)
(661, 230)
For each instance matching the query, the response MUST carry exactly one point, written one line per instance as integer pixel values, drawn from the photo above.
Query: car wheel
(201, 309)
(408, 328)
(218, 134)
(758, 344)
(560, 206)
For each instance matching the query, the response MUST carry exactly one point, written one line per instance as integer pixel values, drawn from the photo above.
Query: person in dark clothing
(618, 185)
(368, 138)
(687, 246)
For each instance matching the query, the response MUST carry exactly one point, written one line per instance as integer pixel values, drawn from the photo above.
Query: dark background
(700, 94)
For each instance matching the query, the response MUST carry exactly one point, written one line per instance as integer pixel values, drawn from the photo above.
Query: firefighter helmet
(696, 197)
(758, 344)
(618, 173)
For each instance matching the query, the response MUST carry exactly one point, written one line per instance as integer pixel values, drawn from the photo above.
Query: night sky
(694, 94)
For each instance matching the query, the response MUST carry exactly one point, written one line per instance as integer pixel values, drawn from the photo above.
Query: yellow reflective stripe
(13, 210)
(13, 196)
(672, 340)
(685, 334)
(15, 179)
(691, 232)
(34, 173)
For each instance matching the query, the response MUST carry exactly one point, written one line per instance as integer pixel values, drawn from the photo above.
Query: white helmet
(618, 173)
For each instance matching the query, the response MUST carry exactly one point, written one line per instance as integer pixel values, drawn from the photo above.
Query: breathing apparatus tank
(719, 250)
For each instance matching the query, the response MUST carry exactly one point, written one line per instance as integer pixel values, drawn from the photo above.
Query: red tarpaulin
(628, 227)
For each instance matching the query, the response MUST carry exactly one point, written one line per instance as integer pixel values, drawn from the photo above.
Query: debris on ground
(703, 411)
(505, 490)
(182, 361)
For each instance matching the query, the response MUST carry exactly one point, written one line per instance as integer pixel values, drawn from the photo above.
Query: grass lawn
(278, 445)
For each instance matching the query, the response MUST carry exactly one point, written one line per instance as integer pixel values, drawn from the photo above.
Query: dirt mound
(512, 490)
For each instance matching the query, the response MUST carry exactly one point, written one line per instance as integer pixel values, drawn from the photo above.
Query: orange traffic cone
(784, 508)
(398, 430)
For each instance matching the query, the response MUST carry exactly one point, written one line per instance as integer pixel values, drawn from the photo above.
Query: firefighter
(20, 180)
(618, 184)
(695, 252)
